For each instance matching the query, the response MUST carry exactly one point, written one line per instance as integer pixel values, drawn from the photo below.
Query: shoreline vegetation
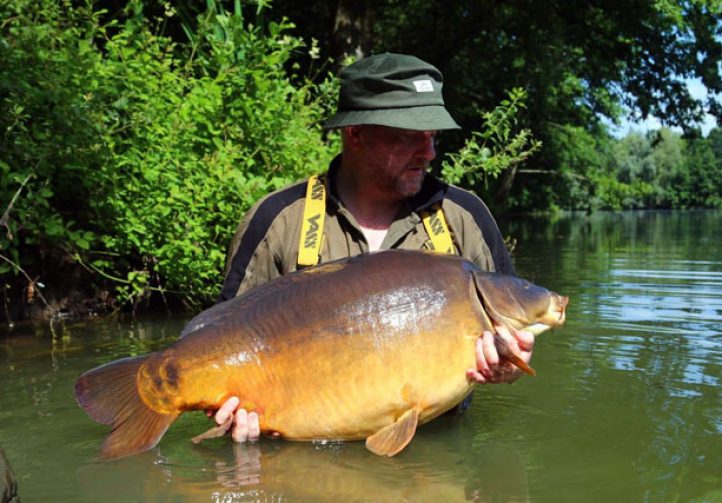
(135, 137)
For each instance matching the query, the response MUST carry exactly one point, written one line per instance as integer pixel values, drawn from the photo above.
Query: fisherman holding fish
(355, 345)
(376, 195)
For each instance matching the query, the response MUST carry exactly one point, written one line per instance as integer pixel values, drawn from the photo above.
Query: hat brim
(423, 118)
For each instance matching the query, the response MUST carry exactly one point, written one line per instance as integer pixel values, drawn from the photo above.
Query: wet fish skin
(363, 348)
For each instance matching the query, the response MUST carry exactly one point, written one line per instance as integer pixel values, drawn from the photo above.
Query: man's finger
(254, 428)
(489, 349)
(525, 340)
(226, 410)
(481, 365)
(476, 376)
(240, 427)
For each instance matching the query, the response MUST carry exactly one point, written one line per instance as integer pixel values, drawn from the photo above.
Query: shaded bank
(8, 484)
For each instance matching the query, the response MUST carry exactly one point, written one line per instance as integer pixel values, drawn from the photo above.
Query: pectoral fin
(391, 439)
(506, 353)
(216, 431)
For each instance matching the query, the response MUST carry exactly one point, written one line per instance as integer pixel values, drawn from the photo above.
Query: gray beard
(409, 188)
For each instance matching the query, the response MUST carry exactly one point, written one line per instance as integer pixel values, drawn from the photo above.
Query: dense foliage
(579, 62)
(134, 138)
(137, 155)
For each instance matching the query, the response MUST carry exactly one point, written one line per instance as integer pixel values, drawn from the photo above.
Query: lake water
(626, 406)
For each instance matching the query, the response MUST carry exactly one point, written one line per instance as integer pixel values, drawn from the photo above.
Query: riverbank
(8, 483)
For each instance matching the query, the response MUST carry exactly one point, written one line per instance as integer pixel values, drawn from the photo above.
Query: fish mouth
(558, 308)
(555, 316)
(537, 328)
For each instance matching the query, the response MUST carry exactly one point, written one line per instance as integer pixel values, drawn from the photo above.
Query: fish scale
(362, 348)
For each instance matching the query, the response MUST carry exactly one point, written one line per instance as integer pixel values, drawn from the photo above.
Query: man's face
(396, 160)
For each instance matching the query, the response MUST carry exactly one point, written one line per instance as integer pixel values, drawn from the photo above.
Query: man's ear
(351, 136)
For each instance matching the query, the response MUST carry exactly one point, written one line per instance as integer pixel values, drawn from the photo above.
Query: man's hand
(245, 424)
(488, 367)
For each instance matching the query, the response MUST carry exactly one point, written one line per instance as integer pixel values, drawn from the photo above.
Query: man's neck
(371, 209)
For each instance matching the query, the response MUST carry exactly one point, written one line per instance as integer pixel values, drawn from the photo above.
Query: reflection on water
(627, 404)
(643, 348)
(279, 471)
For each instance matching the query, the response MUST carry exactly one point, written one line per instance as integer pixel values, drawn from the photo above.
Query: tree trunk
(501, 196)
(351, 31)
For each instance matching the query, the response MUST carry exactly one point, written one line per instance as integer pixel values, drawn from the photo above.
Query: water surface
(627, 404)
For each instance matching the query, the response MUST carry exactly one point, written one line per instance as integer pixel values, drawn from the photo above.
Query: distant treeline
(135, 137)
(658, 169)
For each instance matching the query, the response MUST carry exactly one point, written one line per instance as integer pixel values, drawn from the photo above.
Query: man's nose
(427, 147)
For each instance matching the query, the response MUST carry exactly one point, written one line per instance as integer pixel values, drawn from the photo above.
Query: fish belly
(335, 354)
(338, 389)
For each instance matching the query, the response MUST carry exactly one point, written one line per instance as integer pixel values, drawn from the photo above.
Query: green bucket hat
(392, 90)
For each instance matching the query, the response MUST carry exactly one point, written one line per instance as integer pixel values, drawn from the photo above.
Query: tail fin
(109, 395)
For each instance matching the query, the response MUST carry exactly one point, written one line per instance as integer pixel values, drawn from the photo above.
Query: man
(376, 195)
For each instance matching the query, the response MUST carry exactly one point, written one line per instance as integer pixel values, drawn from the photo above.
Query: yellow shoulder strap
(438, 231)
(314, 213)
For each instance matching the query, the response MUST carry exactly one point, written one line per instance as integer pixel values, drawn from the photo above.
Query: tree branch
(6, 216)
(31, 281)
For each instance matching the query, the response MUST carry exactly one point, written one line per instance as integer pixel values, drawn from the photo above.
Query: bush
(498, 147)
(139, 155)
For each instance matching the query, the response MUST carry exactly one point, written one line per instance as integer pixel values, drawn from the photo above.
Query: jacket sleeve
(260, 249)
(476, 231)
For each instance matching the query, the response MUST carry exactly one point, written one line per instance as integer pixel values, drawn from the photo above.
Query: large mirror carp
(362, 348)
